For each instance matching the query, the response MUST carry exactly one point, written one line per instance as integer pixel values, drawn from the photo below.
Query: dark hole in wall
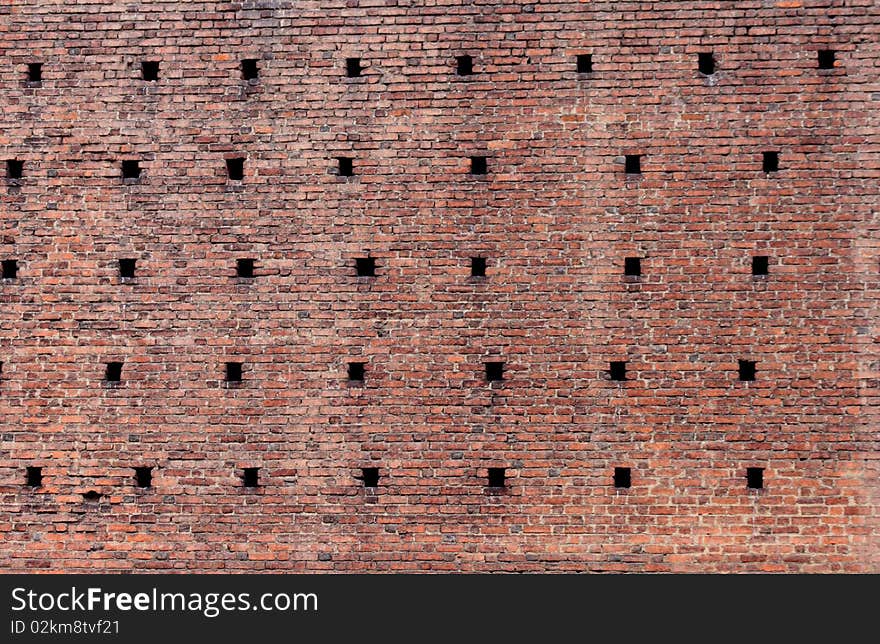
(14, 169)
(496, 477)
(113, 372)
(622, 477)
(235, 168)
(617, 370)
(356, 371)
(494, 371)
(633, 164)
(755, 477)
(9, 268)
(478, 267)
(747, 369)
(131, 169)
(464, 65)
(632, 266)
(35, 72)
(126, 267)
(706, 63)
(353, 67)
(370, 476)
(584, 63)
(346, 166)
(150, 70)
(770, 161)
(91, 495)
(479, 165)
(34, 476)
(826, 58)
(233, 371)
(760, 265)
(250, 70)
(251, 477)
(244, 267)
(365, 266)
(143, 476)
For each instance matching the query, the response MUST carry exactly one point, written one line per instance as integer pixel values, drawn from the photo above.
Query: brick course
(555, 216)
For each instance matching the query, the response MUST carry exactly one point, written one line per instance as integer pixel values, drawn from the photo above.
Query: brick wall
(555, 216)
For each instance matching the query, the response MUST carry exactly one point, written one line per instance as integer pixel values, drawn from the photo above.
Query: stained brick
(374, 270)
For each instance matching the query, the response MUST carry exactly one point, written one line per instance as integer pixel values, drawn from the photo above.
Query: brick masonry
(555, 216)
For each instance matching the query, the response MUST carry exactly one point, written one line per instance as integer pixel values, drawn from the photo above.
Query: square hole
(150, 70)
(755, 478)
(770, 161)
(760, 265)
(233, 371)
(706, 63)
(826, 58)
(496, 477)
(633, 164)
(464, 65)
(249, 69)
(584, 63)
(126, 267)
(33, 476)
(131, 170)
(143, 476)
(235, 168)
(9, 269)
(35, 73)
(356, 371)
(370, 476)
(365, 266)
(494, 371)
(251, 477)
(617, 370)
(244, 268)
(479, 165)
(747, 369)
(113, 372)
(622, 477)
(353, 67)
(14, 169)
(346, 166)
(478, 267)
(632, 266)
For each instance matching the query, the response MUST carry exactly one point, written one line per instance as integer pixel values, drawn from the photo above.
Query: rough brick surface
(555, 216)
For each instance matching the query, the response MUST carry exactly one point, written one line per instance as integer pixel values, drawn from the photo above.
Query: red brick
(555, 217)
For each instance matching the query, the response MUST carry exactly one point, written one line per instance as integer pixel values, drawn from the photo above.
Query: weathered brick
(555, 216)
